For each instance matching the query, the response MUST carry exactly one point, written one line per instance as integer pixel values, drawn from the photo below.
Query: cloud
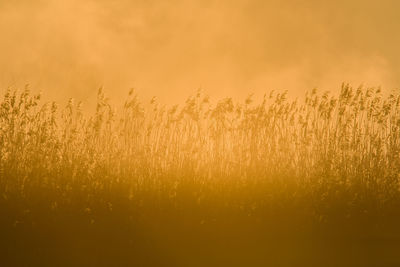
(170, 48)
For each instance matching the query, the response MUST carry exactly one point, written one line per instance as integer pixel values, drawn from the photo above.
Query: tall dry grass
(322, 160)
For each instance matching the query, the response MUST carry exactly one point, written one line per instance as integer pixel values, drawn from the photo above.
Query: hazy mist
(171, 48)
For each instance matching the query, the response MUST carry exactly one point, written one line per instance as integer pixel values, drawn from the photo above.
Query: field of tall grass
(263, 182)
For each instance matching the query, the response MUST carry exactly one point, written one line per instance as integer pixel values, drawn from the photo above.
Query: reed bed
(327, 161)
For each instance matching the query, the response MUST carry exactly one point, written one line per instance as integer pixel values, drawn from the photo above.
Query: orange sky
(68, 48)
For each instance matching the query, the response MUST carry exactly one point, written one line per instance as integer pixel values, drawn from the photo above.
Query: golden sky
(170, 48)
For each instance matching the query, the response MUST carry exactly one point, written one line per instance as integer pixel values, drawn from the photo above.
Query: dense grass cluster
(326, 160)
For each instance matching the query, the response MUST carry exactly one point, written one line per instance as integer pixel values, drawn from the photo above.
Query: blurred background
(70, 48)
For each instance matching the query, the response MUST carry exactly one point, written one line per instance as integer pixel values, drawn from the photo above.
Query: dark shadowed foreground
(277, 183)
